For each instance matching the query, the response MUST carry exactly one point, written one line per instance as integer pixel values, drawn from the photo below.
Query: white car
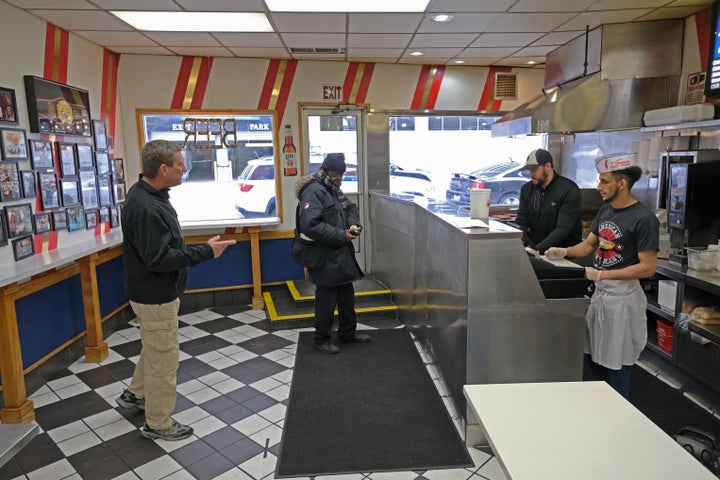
(256, 189)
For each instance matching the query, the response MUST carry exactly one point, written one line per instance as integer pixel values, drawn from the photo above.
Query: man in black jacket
(155, 262)
(328, 217)
(549, 212)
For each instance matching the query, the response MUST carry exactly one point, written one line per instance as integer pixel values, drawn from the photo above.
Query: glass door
(328, 130)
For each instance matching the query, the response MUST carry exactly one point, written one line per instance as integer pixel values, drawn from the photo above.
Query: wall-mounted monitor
(712, 81)
(57, 108)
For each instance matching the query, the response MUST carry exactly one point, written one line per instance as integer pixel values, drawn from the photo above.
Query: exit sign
(332, 92)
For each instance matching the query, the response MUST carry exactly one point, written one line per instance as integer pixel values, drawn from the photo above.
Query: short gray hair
(156, 153)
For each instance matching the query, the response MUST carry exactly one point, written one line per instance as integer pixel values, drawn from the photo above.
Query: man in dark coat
(328, 217)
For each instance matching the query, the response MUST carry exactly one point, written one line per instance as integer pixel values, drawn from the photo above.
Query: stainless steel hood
(604, 80)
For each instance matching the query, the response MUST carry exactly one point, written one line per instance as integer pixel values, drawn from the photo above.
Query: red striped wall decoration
(45, 242)
(191, 83)
(108, 96)
(56, 53)
(277, 85)
(357, 82)
(428, 87)
(487, 99)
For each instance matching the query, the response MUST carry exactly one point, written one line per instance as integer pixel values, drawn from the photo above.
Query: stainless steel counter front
(472, 297)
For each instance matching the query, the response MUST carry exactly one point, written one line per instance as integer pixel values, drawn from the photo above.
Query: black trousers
(326, 299)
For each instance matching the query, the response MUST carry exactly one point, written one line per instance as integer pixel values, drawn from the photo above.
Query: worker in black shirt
(549, 212)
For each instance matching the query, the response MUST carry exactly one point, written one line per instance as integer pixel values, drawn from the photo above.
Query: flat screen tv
(57, 108)
(712, 82)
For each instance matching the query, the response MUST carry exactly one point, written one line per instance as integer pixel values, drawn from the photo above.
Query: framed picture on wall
(70, 192)
(19, 219)
(114, 217)
(42, 222)
(91, 219)
(23, 247)
(42, 154)
(49, 196)
(60, 220)
(104, 213)
(105, 194)
(66, 152)
(118, 170)
(9, 181)
(119, 192)
(76, 218)
(88, 190)
(14, 144)
(3, 229)
(8, 106)
(84, 157)
(28, 183)
(100, 135)
(102, 162)
(57, 108)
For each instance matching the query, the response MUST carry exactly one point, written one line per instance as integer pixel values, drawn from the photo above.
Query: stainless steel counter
(472, 297)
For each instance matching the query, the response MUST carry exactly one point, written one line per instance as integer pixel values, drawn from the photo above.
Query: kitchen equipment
(692, 203)
(701, 445)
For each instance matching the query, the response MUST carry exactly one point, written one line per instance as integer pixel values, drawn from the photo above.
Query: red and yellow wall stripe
(191, 84)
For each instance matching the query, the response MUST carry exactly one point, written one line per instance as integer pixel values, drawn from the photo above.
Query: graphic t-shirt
(623, 232)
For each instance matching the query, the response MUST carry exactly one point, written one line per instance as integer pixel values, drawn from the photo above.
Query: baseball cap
(536, 158)
(613, 162)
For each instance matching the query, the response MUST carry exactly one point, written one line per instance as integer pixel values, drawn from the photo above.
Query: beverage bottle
(289, 148)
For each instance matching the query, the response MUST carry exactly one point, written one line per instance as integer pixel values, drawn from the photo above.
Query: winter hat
(334, 162)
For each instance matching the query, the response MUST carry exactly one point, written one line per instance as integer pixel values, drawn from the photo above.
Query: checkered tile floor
(233, 388)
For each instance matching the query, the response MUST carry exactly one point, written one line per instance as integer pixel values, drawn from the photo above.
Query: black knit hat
(334, 162)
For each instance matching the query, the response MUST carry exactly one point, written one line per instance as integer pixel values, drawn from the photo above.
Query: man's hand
(350, 235)
(593, 274)
(555, 253)
(219, 246)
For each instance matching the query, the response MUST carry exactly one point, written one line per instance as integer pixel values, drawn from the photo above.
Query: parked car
(414, 185)
(504, 179)
(256, 189)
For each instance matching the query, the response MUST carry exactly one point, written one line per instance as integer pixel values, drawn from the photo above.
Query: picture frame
(13, 143)
(102, 163)
(57, 108)
(69, 191)
(114, 217)
(10, 186)
(75, 218)
(41, 222)
(91, 219)
(119, 192)
(49, 195)
(3, 229)
(42, 154)
(8, 106)
(118, 170)
(88, 190)
(100, 135)
(104, 214)
(84, 156)
(59, 220)
(23, 247)
(67, 154)
(105, 194)
(19, 219)
(27, 178)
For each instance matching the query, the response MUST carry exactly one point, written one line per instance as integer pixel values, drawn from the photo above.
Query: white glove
(555, 253)
(592, 274)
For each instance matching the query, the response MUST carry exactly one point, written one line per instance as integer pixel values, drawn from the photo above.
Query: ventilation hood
(604, 80)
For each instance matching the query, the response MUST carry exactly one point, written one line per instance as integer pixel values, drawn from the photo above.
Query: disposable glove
(592, 274)
(555, 253)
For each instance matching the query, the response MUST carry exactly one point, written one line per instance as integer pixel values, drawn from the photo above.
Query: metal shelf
(658, 310)
(705, 124)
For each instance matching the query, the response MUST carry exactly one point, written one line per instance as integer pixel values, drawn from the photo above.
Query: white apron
(616, 329)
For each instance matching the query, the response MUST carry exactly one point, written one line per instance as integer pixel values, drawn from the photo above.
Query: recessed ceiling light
(442, 18)
(459, 61)
(531, 62)
(416, 54)
(196, 21)
(346, 6)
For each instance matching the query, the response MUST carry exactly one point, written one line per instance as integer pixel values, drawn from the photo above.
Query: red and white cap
(613, 162)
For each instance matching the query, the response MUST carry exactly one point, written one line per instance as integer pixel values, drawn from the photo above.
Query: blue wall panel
(233, 268)
(110, 285)
(276, 263)
(49, 318)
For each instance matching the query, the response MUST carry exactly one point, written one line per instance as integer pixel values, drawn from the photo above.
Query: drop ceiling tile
(249, 39)
(221, 5)
(422, 60)
(82, 19)
(376, 52)
(310, 40)
(595, 19)
(384, 22)
(377, 40)
(202, 51)
(140, 5)
(488, 52)
(308, 22)
(672, 12)
(558, 38)
(528, 22)
(137, 50)
(520, 61)
(428, 40)
(463, 22)
(475, 62)
(257, 52)
(684, 3)
(626, 4)
(451, 6)
(505, 39)
(551, 5)
(112, 39)
(537, 51)
(183, 39)
(437, 52)
(53, 4)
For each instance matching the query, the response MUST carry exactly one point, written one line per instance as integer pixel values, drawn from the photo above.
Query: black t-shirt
(623, 232)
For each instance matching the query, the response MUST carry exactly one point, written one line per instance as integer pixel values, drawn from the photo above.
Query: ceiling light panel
(347, 5)
(195, 21)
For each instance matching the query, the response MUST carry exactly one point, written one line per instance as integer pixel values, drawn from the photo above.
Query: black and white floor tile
(233, 387)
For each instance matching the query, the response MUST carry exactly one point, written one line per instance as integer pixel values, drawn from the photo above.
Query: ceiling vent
(506, 86)
(318, 51)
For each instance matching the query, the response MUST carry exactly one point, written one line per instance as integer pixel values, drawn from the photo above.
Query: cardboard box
(667, 295)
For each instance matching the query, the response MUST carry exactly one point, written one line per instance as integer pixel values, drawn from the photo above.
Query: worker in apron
(625, 238)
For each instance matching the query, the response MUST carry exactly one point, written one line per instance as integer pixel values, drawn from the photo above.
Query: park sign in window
(222, 150)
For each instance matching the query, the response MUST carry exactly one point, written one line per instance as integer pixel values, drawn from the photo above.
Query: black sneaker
(129, 400)
(327, 347)
(356, 338)
(175, 431)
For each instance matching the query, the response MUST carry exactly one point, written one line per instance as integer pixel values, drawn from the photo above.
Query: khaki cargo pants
(155, 376)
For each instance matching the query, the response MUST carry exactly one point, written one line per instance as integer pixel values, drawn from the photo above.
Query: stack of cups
(480, 203)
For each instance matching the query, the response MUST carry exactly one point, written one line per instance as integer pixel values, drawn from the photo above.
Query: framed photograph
(102, 162)
(3, 229)
(57, 108)
(75, 218)
(88, 190)
(28, 183)
(70, 193)
(114, 217)
(14, 144)
(84, 157)
(59, 220)
(118, 170)
(104, 213)
(119, 192)
(42, 222)
(9, 181)
(42, 154)
(105, 195)
(19, 220)
(8, 106)
(91, 219)
(66, 152)
(23, 247)
(100, 135)
(49, 196)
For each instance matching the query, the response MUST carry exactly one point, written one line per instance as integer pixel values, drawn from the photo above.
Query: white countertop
(576, 431)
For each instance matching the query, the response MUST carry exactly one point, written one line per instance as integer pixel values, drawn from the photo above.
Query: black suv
(504, 179)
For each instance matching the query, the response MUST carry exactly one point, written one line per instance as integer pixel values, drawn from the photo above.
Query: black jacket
(322, 218)
(155, 257)
(550, 216)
